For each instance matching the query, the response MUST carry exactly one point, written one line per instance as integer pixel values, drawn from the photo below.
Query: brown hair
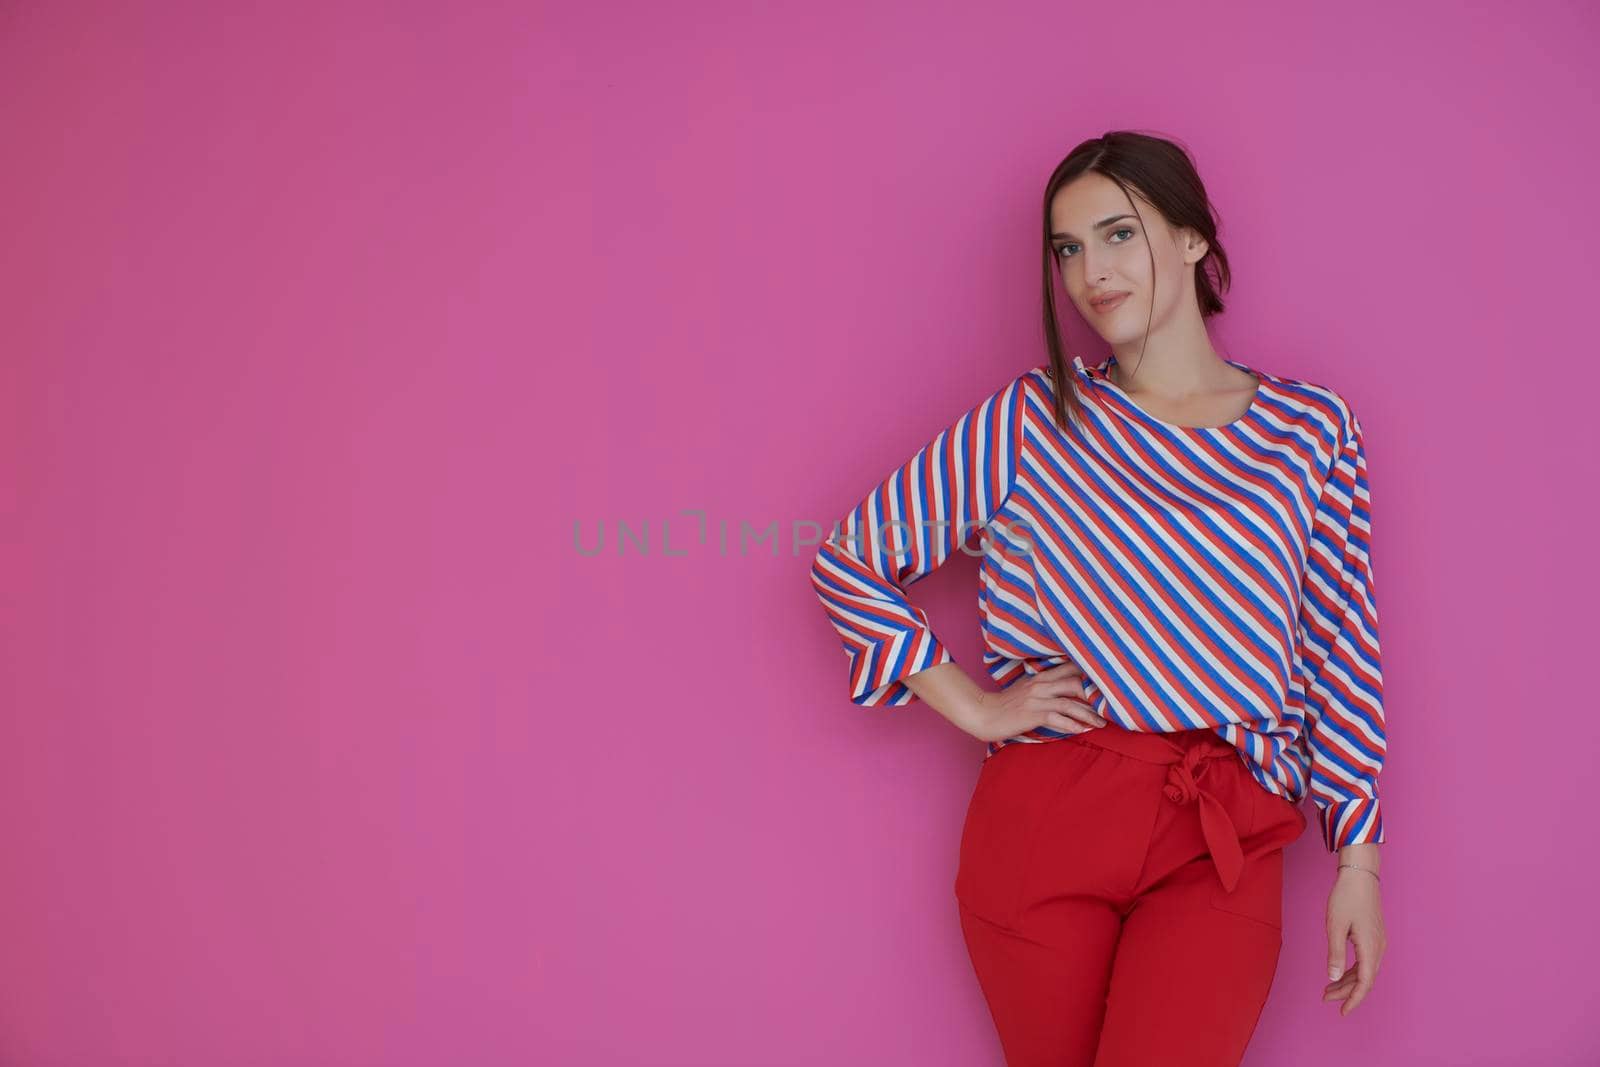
(1163, 173)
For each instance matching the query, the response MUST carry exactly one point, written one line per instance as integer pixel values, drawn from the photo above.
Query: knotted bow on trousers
(1183, 786)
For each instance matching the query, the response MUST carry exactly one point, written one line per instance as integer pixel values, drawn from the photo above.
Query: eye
(1062, 253)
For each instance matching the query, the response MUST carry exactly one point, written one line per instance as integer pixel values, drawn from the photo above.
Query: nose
(1094, 271)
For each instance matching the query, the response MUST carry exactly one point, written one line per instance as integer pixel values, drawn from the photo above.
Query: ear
(1195, 247)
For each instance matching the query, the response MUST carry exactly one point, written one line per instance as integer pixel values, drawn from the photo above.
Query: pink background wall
(323, 324)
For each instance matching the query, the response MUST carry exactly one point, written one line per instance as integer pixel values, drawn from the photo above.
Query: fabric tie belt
(1185, 767)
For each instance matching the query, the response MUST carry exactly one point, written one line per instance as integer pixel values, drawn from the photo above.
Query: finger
(1061, 687)
(1365, 973)
(1336, 940)
(1068, 669)
(1063, 698)
(1343, 985)
(1075, 709)
(1057, 721)
(1358, 992)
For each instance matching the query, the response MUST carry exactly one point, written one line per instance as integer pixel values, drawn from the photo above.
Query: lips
(1109, 303)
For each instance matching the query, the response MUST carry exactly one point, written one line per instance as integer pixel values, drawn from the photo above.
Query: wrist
(976, 711)
(1365, 855)
(1358, 861)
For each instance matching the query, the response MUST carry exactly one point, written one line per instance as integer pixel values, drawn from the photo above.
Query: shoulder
(1033, 384)
(1318, 403)
(1038, 383)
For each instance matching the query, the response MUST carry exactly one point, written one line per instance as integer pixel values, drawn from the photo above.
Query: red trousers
(1121, 897)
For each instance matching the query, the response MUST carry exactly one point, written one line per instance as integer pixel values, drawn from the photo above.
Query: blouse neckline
(1099, 375)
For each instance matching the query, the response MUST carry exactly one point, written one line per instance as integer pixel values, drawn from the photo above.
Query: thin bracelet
(1354, 867)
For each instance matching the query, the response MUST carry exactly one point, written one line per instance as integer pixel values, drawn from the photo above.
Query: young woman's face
(1102, 249)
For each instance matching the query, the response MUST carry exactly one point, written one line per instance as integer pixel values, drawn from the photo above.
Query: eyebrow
(1102, 224)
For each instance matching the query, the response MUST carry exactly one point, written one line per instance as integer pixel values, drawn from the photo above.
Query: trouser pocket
(1274, 823)
(1006, 816)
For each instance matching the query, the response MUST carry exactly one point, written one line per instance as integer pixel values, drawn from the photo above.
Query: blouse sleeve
(1340, 664)
(902, 531)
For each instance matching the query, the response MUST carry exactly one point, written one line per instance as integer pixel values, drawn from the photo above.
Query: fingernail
(1334, 974)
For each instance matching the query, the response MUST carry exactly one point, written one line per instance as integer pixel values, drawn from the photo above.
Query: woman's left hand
(1354, 914)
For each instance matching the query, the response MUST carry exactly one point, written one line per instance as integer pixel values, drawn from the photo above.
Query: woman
(1177, 604)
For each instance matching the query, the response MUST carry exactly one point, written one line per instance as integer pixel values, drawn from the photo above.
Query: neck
(1169, 372)
(1175, 359)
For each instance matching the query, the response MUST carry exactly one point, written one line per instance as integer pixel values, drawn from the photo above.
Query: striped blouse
(1200, 577)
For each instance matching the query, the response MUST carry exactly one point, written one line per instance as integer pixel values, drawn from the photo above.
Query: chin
(1118, 337)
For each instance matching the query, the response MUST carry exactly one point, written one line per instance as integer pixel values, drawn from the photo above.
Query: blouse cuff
(1352, 822)
(878, 671)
